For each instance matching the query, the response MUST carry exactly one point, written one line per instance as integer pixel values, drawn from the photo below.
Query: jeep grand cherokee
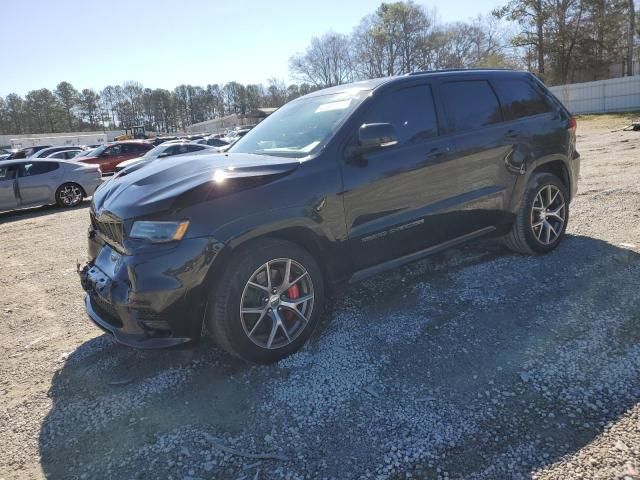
(334, 186)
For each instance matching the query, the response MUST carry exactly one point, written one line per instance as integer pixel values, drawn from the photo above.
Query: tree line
(562, 41)
(66, 109)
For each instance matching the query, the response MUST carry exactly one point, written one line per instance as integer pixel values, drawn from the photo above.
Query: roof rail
(422, 72)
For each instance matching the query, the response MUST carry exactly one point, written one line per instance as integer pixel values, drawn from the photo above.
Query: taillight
(573, 124)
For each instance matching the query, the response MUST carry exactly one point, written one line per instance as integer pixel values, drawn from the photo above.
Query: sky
(164, 44)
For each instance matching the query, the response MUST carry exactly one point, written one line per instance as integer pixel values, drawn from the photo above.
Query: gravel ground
(476, 363)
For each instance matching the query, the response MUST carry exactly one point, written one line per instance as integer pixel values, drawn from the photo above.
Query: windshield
(95, 152)
(154, 152)
(301, 127)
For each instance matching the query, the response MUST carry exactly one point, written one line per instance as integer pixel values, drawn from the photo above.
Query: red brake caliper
(293, 292)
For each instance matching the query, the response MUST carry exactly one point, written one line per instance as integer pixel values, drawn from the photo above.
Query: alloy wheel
(277, 303)
(548, 214)
(70, 195)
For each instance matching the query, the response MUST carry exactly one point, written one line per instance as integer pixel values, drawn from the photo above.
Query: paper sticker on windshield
(327, 107)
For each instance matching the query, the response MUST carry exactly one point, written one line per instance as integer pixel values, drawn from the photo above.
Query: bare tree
(326, 62)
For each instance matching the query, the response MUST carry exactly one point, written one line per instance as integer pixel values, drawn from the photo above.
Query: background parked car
(66, 154)
(212, 141)
(110, 155)
(30, 183)
(168, 149)
(5, 154)
(26, 152)
(45, 152)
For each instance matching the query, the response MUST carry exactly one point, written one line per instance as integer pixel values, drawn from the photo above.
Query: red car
(111, 154)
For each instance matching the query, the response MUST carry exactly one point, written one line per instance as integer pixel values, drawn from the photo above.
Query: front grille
(110, 227)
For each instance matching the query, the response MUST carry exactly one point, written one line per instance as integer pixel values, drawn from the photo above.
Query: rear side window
(471, 104)
(519, 99)
(410, 111)
(30, 169)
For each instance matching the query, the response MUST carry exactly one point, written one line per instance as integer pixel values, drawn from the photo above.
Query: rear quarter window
(519, 99)
(471, 104)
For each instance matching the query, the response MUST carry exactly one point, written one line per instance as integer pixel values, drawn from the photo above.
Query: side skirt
(412, 257)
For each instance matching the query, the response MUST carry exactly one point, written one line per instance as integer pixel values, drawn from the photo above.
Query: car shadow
(34, 212)
(487, 350)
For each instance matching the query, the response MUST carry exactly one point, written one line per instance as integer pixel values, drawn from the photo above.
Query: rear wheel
(542, 219)
(69, 195)
(267, 303)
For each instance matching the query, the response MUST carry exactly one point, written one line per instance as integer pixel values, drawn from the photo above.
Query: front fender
(321, 235)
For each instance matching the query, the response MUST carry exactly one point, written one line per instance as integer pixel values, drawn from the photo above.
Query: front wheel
(69, 195)
(542, 218)
(268, 301)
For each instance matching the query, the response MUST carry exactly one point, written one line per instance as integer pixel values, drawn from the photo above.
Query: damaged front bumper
(155, 298)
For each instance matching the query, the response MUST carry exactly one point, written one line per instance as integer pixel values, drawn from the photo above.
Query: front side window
(114, 150)
(410, 111)
(471, 104)
(193, 148)
(301, 127)
(519, 99)
(30, 169)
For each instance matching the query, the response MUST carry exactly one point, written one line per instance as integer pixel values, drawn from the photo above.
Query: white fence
(614, 95)
(66, 138)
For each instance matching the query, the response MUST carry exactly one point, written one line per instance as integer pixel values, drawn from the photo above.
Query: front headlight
(159, 231)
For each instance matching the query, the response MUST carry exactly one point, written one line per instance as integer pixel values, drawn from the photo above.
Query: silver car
(33, 182)
(65, 154)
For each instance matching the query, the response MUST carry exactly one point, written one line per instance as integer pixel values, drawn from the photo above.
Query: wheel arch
(304, 236)
(558, 168)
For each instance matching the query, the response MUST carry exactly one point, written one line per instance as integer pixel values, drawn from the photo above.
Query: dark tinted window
(129, 148)
(172, 150)
(30, 169)
(142, 147)
(410, 111)
(519, 99)
(471, 104)
(194, 148)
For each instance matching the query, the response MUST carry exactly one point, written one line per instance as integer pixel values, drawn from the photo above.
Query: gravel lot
(476, 363)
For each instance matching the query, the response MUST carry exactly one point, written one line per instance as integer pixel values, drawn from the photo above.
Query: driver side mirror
(372, 136)
(165, 154)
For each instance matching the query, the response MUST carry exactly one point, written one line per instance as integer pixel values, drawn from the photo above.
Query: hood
(174, 183)
(126, 163)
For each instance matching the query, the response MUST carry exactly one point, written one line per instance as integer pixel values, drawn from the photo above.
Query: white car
(30, 182)
(47, 152)
(168, 149)
(65, 154)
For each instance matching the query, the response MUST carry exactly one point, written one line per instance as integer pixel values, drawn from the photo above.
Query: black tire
(522, 238)
(64, 200)
(223, 319)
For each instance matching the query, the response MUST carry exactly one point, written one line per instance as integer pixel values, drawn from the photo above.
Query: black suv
(333, 187)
